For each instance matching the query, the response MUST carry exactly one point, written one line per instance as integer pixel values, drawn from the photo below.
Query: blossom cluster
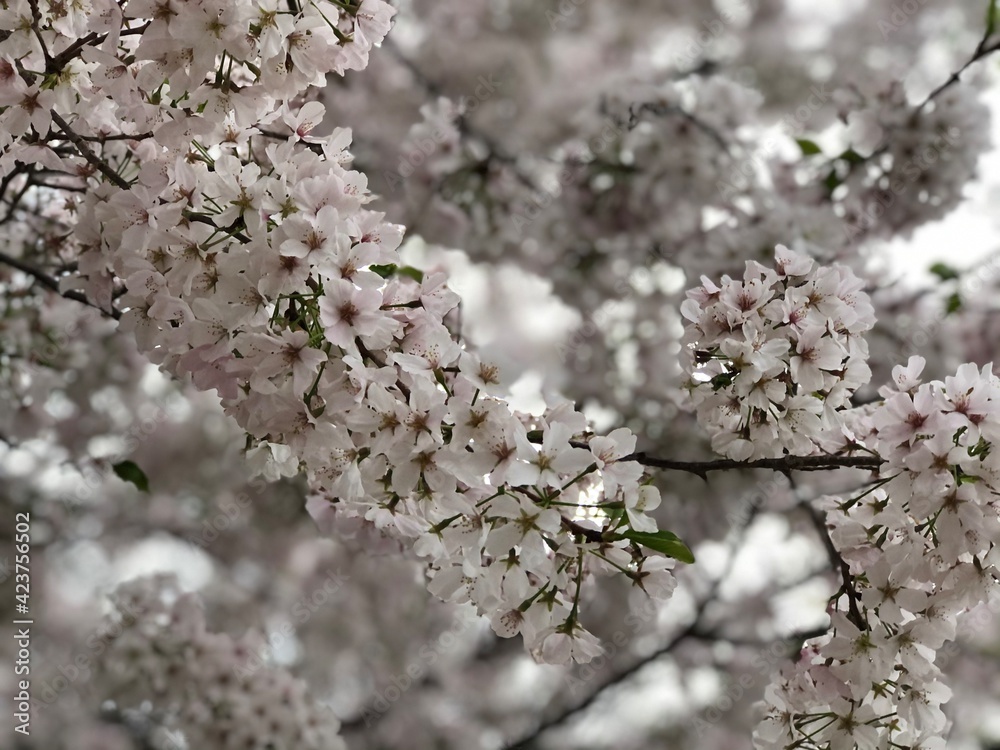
(198, 680)
(774, 357)
(919, 548)
(239, 246)
(596, 197)
(908, 163)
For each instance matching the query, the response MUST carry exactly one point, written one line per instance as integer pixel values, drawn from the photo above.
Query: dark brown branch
(36, 20)
(116, 137)
(784, 464)
(57, 63)
(316, 148)
(716, 636)
(207, 220)
(53, 186)
(528, 741)
(837, 562)
(19, 169)
(591, 535)
(88, 153)
(16, 200)
(52, 285)
(981, 51)
(847, 587)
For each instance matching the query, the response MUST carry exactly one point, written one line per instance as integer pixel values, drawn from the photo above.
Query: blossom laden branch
(772, 344)
(876, 667)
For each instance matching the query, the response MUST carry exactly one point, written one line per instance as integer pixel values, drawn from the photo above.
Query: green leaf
(981, 449)
(832, 180)
(991, 18)
(391, 269)
(852, 157)
(615, 515)
(414, 273)
(722, 380)
(808, 147)
(954, 304)
(384, 271)
(666, 542)
(130, 472)
(944, 271)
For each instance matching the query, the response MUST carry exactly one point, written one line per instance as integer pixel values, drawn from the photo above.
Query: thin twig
(981, 51)
(660, 110)
(692, 629)
(716, 636)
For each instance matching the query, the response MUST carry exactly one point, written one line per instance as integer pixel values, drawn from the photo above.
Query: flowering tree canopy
(236, 337)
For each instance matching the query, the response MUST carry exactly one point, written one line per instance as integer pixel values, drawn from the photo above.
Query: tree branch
(636, 110)
(528, 741)
(837, 562)
(58, 62)
(116, 137)
(88, 153)
(981, 51)
(784, 464)
(591, 535)
(800, 636)
(52, 285)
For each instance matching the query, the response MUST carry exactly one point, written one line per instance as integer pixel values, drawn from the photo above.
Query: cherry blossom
(177, 166)
(774, 359)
